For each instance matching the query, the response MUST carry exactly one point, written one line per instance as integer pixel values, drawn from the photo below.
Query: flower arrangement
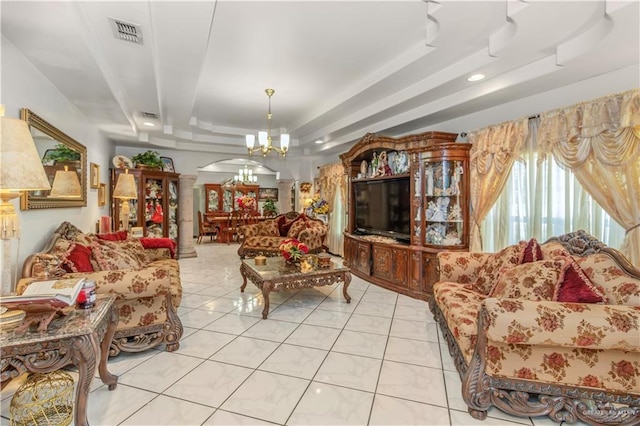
(319, 205)
(246, 203)
(292, 250)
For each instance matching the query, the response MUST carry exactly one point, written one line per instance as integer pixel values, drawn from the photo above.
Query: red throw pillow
(79, 260)
(284, 225)
(114, 236)
(532, 252)
(577, 287)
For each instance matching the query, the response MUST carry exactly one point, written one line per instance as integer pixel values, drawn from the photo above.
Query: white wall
(23, 86)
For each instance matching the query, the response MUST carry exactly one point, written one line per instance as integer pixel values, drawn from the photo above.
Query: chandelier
(245, 175)
(264, 138)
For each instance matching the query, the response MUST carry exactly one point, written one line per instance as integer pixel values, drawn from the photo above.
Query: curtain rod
(533, 117)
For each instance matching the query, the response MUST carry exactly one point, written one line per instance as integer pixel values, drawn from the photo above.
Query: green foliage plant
(149, 158)
(270, 206)
(62, 153)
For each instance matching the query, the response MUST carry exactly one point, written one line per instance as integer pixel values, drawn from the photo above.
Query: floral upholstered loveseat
(544, 330)
(146, 282)
(264, 238)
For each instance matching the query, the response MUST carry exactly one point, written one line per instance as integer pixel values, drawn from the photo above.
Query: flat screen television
(383, 207)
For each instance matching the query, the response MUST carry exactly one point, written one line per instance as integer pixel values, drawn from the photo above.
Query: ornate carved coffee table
(79, 338)
(276, 276)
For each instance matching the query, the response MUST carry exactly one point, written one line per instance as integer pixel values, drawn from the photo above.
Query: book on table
(55, 294)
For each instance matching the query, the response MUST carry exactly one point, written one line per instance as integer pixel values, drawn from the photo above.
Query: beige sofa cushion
(531, 281)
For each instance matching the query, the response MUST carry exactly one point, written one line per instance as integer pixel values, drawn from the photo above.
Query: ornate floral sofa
(146, 282)
(544, 330)
(264, 238)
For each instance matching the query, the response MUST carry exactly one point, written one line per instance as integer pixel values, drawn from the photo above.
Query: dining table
(220, 220)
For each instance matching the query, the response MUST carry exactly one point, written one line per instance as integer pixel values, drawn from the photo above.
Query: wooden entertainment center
(435, 211)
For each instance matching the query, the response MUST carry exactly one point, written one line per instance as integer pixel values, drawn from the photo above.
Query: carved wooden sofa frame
(561, 403)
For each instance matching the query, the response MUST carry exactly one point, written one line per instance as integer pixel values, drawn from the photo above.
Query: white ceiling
(340, 69)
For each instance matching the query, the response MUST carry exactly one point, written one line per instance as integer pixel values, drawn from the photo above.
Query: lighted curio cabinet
(213, 197)
(441, 204)
(433, 213)
(156, 208)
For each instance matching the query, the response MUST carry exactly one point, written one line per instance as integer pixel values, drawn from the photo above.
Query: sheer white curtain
(541, 200)
(337, 222)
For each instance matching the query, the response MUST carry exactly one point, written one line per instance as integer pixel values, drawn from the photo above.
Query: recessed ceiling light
(475, 77)
(149, 124)
(319, 141)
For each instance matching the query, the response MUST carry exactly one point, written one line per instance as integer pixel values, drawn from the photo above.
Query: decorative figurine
(374, 162)
(429, 172)
(457, 175)
(455, 213)
(402, 162)
(383, 168)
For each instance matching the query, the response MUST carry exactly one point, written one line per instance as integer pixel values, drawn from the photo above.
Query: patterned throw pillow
(297, 226)
(110, 257)
(577, 287)
(270, 228)
(46, 265)
(79, 260)
(531, 281)
(532, 252)
(489, 270)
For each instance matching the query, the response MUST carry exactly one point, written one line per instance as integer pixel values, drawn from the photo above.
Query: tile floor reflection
(317, 360)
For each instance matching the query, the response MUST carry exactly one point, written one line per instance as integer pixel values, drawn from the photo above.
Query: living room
(28, 82)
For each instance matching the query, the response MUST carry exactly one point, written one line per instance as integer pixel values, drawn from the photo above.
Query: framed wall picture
(265, 193)
(167, 165)
(102, 194)
(94, 174)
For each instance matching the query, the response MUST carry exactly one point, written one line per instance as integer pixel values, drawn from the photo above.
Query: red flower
(525, 373)
(591, 381)
(555, 361)
(624, 369)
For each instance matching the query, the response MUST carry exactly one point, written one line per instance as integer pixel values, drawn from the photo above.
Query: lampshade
(20, 165)
(66, 184)
(125, 187)
(20, 170)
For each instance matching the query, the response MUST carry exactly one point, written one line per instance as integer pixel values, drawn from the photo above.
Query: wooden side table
(80, 338)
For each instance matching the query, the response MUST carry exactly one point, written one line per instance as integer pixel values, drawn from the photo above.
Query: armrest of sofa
(571, 325)
(315, 233)
(460, 266)
(128, 284)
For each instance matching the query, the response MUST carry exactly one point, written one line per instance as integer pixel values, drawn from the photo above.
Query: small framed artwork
(102, 194)
(167, 165)
(95, 175)
(267, 193)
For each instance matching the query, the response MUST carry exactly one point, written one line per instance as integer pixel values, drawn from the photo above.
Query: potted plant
(61, 154)
(150, 159)
(269, 206)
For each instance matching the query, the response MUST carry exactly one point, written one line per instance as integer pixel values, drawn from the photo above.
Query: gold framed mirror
(57, 150)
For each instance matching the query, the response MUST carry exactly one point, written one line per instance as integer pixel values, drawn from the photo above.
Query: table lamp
(20, 170)
(125, 190)
(66, 184)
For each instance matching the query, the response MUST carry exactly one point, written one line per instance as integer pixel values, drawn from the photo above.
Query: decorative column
(285, 204)
(185, 221)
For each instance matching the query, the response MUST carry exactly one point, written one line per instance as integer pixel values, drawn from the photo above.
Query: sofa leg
(172, 327)
(478, 414)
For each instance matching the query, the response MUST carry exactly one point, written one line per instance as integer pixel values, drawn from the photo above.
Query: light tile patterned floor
(316, 361)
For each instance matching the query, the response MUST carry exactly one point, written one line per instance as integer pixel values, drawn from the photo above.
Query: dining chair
(234, 221)
(204, 229)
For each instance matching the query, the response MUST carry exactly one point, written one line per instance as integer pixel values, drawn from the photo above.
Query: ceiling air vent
(151, 115)
(126, 31)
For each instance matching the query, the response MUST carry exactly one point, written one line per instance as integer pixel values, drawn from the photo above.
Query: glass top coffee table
(276, 275)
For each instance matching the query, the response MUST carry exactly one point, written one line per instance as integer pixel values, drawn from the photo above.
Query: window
(543, 200)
